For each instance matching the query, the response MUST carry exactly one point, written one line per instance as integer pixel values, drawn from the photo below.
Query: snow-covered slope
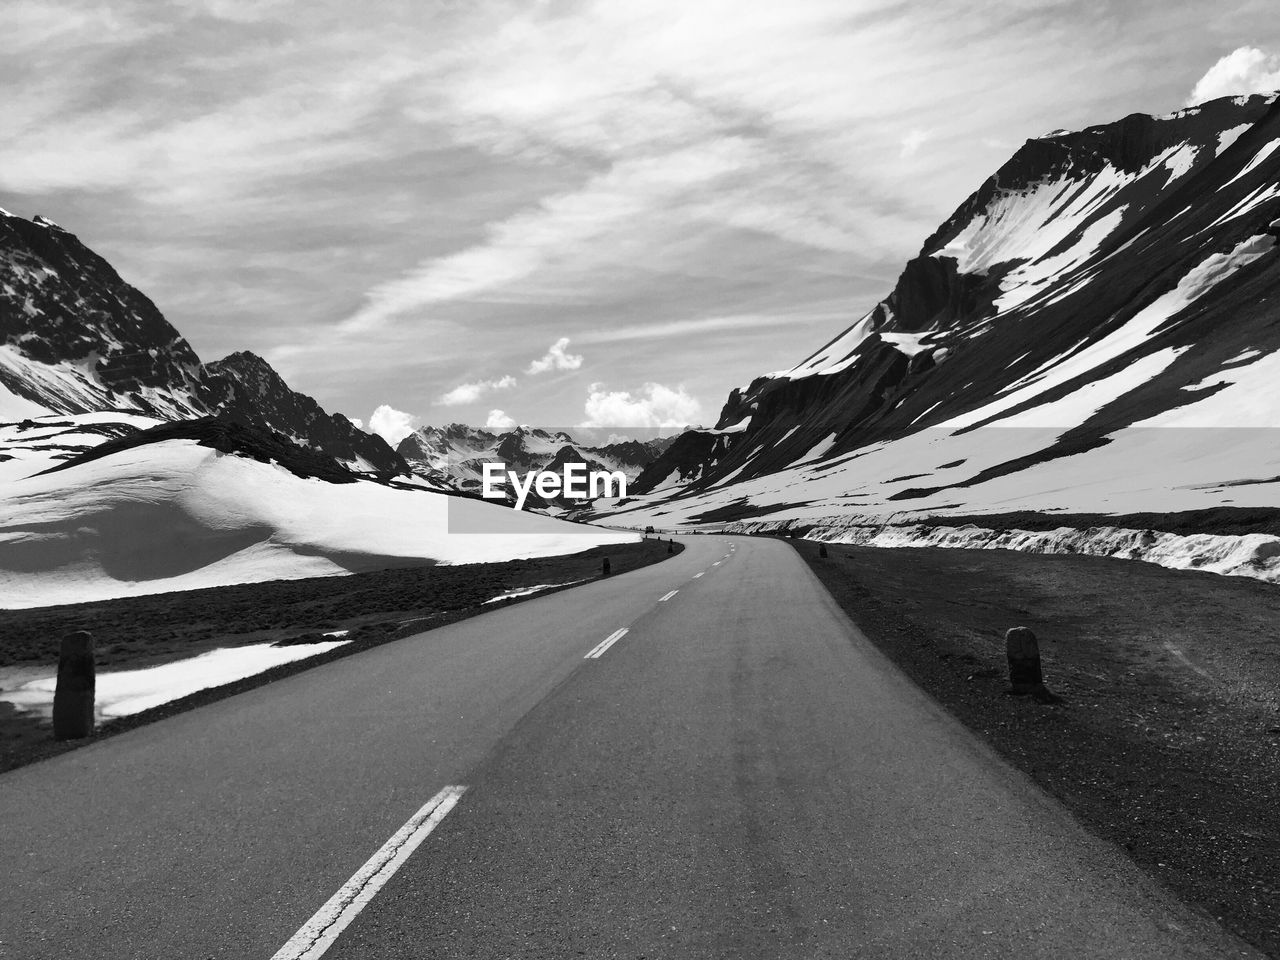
(75, 339)
(1096, 329)
(30, 446)
(175, 515)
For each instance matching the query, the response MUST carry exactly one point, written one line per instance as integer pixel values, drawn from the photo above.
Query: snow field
(179, 516)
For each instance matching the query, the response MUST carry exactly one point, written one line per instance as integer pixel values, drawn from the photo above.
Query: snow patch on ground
(526, 591)
(1258, 159)
(1179, 160)
(1228, 137)
(907, 343)
(1249, 397)
(123, 693)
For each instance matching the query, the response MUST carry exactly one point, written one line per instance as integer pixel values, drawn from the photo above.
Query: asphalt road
(739, 775)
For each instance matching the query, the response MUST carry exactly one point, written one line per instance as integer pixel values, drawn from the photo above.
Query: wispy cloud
(471, 392)
(676, 329)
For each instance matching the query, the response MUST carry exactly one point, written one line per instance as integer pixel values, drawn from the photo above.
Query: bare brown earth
(374, 607)
(1167, 737)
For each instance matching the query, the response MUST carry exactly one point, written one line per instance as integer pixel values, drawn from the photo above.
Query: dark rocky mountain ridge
(77, 339)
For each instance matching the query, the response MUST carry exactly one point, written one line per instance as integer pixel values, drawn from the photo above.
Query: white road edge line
(318, 934)
(668, 596)
(598, 650)
(697, 575)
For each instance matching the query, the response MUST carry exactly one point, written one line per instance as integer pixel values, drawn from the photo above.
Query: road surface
(739, 774)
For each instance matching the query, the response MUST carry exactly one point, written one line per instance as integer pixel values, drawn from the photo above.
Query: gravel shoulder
(1167, 737)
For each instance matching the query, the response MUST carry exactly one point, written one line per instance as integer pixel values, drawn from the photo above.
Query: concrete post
(605, 567)
(671, 546)
(1023, 651)
(73, 696)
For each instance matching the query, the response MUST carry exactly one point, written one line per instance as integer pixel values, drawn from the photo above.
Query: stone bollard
(1023, 652)
(671, 546)
(822, 550)
(604, 569)
(73, 696)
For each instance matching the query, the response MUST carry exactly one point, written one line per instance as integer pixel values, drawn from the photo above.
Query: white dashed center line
(697, 575)
(599, 649)
(665, 598)
(317, 934)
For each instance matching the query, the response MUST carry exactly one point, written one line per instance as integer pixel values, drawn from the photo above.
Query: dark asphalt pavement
(740, 775)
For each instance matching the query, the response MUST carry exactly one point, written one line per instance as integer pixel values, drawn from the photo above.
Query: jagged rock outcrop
(245, 386)
(62, 304)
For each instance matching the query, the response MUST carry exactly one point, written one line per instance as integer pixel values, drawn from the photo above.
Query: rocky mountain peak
(78, 339)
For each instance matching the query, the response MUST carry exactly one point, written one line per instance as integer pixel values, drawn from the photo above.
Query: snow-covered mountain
(1096, 329)
(85, 356)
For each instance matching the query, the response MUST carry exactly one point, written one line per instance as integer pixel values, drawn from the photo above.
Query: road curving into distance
(702, 758)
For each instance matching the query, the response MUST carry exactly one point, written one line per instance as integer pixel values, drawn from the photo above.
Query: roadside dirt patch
(1167, 739)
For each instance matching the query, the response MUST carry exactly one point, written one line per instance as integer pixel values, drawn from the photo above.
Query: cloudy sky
(555, 211)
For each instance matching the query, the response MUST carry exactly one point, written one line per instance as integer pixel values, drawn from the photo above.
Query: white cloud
(556, 358)
(912, 142)
(1243, 71)
(471, 392)
(392, 425)
(653, 405)
(356, 422)
(498, 420)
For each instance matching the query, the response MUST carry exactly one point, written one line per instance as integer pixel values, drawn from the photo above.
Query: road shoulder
(1165, 741)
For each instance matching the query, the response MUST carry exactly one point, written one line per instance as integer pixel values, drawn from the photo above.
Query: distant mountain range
(79, 342)
(1096, 329)
(455, 454)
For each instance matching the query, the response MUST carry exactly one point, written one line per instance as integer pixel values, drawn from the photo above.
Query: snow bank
(527, 591)
(179, 516)
(123, 693)
(1253, 555)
